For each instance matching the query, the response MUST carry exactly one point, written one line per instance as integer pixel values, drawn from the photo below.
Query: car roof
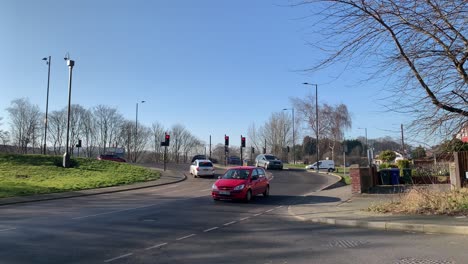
(203, 160)
(243, 168)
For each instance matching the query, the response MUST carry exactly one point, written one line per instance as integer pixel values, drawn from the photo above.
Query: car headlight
(214, 187)
(239, 187)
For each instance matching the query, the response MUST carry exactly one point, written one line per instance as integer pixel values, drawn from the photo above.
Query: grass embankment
(22, 175)
(427, 202)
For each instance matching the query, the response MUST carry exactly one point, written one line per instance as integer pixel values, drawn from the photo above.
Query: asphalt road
(181, 224)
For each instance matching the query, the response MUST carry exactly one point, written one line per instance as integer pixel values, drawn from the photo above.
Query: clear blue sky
(213, 66)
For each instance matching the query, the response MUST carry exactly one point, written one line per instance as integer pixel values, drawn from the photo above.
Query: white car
(328, 165)
(202, 167)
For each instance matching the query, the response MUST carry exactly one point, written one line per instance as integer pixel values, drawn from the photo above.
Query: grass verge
(22, 175)
(427, 202)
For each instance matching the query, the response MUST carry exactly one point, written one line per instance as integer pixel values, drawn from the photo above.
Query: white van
(328, 165)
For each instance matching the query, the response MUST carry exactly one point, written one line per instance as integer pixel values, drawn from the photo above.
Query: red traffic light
(226, 140)
(168, 137)
(243, 142)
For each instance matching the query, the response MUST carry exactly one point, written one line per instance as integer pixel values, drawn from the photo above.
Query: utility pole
(403, 143)
(48, 60)
(66, 156)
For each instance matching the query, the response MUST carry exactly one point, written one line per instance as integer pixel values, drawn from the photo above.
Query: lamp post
(294, 145)
(66, 156)
(48, 60)
(316, 121)
(136, 132)
(367, 146)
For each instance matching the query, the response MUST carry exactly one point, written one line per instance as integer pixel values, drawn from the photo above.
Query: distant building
(463, 134)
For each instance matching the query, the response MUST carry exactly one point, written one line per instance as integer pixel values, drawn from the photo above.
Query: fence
(461, 166)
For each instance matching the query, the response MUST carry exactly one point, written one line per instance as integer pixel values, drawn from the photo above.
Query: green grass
(22, 175)
(344, 173)
(295, 166)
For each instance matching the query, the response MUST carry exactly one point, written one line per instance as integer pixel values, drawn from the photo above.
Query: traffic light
(166, 140)
(226, 140)
(287, 148)
(242, 142)
(79, 143)
(253, 150)
(264, 150)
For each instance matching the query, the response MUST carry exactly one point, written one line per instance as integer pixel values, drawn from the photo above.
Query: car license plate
(224, 192)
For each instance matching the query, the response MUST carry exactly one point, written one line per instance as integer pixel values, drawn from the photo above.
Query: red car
(111, 157)
(241, 183)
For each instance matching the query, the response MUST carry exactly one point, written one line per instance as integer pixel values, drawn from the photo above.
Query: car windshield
(236, 174)
(270, 157)
(205, 164)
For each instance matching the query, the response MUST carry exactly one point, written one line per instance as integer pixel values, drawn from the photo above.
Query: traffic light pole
(165, 157)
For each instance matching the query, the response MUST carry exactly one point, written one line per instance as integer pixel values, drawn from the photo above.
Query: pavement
(349, 210)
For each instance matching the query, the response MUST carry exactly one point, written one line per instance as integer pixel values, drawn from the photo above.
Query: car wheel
(266, 193)
(330, 170)
(248, 196)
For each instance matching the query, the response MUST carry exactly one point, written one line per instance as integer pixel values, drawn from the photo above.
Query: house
(463, 134)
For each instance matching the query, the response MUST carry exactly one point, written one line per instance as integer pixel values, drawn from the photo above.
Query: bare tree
(276, 131)
(57, 125)
(421, 46)
(89, 132)
(157, 135)
(337, 120)
(24, 121)
(4, 136)
(134, 143)
(108, 122)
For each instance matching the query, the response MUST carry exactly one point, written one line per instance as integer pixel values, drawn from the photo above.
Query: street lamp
(316, 121)
(294, 145)
(66, 156)
(367, 146)
(136, 132)
(48, 60)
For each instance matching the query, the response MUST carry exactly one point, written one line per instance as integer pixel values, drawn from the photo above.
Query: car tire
(266, 193)
(248, 196)
(330, 170)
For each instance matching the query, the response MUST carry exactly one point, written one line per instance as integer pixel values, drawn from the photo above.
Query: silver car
(268, 161)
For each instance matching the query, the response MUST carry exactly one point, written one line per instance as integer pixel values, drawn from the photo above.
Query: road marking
(278, 207)
(156, 246)
(7, 229)
(119, 257)
(210, 229)
(230, 223)
(205, 190)
(258, 214)
(267, 211)
(182, 238)
(245, 218)
(112, 212)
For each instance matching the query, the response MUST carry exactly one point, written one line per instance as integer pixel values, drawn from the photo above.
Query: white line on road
(7, 229)
(230, 223)
(112, 212)
(258, 214)
(267, 211)
(156, 246)
(119, 257)
(278, 207)
(182, 238)
(210, 229)
(245, 218)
